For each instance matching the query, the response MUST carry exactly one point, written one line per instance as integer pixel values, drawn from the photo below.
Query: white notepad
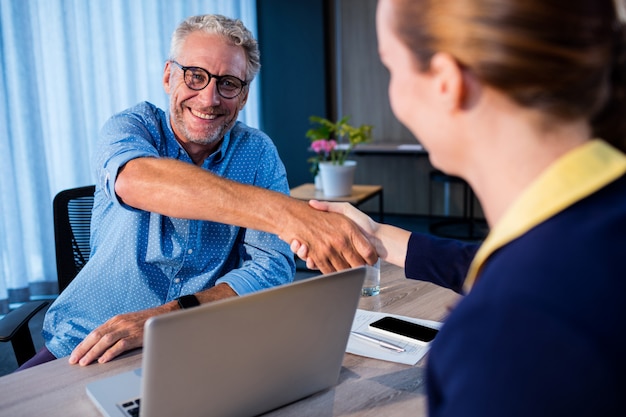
(413, 352)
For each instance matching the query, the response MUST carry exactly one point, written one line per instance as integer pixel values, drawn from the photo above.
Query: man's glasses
(196, 78)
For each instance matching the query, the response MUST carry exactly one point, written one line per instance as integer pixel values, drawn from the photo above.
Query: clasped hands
(366, 225)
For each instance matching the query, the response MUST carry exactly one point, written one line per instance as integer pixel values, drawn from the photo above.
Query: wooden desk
(360, 194)
(367, 387)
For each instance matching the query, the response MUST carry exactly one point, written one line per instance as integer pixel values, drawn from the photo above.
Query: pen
(381, 343)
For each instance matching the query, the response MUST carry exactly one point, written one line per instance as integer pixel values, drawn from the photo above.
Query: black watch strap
(187, 301)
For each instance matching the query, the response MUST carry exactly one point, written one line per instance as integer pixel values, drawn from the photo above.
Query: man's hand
(125, 331)
(118, 335)
(366, 225)
(333, 242)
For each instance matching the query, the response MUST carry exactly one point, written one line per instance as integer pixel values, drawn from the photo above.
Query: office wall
(293, 76)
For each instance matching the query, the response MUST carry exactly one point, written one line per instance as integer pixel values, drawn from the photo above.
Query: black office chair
(72, 231)
(72, 219)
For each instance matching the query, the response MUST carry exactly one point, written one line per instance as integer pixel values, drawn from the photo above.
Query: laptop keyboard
(130, 407)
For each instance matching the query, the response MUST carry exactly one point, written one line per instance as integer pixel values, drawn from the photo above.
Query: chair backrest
(72, 231)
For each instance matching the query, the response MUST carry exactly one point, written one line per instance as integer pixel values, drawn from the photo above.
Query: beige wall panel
(363, 79)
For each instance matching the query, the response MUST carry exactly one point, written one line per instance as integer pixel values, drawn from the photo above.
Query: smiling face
(200, 119)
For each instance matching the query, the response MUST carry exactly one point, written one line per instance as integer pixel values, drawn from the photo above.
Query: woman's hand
(367, 225)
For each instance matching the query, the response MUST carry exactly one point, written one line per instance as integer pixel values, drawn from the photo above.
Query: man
(158, 182)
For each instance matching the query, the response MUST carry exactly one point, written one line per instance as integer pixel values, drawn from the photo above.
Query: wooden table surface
(367, 387)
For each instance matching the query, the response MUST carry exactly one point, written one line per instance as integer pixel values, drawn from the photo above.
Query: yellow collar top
(574, 176)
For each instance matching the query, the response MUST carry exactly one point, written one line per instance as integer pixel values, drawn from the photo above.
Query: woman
(512, 95)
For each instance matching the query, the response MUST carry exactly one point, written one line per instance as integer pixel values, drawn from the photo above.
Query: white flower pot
(337, 180)
(318, 182)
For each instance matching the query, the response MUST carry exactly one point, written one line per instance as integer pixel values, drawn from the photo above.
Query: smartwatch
(187, 301)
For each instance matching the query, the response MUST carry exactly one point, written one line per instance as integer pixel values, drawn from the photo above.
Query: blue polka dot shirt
(141, 259)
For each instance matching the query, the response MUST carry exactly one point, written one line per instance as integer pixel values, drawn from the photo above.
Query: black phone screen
(405, 328)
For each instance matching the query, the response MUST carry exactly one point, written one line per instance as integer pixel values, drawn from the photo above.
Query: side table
(360, 194)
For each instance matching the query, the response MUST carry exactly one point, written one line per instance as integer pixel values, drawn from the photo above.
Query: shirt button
(190, 251)
(177, 280)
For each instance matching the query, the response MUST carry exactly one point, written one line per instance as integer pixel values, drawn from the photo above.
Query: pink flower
(324, 151)
(324, 146)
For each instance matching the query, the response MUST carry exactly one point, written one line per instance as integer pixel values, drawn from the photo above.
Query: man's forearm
(177, 189)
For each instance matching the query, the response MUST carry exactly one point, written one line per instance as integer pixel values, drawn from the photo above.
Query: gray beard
(212, 137)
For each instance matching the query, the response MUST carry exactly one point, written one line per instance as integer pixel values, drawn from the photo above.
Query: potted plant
(332, 142)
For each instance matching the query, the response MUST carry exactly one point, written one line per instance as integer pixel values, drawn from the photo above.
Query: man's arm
(124, 332)
(182, 190)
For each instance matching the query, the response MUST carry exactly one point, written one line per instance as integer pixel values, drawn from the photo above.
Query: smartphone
(402, 329)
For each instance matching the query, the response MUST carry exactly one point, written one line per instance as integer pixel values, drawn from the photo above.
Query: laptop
(241, 356)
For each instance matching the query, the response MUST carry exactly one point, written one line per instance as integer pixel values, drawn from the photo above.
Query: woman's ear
(450, 85)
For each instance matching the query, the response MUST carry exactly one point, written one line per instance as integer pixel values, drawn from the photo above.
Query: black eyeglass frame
(218, 78)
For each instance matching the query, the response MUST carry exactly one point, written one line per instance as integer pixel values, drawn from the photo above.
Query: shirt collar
(574, 176)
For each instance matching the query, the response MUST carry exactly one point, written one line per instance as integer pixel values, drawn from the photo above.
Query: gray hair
(231, 29)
